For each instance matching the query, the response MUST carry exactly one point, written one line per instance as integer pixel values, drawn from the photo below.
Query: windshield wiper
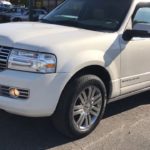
(61, 22)
(44, 20)
(77, 24)
(93, 27)
(66, 22)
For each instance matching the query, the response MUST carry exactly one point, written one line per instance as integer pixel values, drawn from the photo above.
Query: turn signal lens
(50, 66)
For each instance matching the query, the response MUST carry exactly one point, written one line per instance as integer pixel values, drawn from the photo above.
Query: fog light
(14, 92)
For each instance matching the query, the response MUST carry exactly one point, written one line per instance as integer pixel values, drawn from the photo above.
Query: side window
(142, 16)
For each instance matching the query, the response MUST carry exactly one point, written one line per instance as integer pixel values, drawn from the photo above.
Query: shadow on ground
(36, 134)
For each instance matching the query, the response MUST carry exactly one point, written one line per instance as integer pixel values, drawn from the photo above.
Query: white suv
(81, 56)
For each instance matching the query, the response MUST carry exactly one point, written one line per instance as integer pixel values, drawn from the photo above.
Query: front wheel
(81, 106)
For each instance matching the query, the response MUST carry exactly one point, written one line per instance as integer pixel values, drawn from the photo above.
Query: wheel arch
(97, 70)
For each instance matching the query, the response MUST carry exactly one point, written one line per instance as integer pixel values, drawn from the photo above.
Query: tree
(30, 2)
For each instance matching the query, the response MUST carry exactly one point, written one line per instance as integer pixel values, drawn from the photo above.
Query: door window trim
(139, 5)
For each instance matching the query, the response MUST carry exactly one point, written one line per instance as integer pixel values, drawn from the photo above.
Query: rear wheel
(81, 106)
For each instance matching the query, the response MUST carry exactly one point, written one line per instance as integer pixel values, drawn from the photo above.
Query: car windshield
(90, 14)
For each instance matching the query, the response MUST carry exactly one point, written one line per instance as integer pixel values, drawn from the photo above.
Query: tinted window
(91, 14)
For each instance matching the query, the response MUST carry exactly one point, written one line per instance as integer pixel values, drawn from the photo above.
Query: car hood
(73, 47)
(48, 37)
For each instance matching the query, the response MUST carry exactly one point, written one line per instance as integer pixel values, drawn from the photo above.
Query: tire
(66, 118)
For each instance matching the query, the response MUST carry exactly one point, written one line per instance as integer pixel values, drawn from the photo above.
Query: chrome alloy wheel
(87, 108)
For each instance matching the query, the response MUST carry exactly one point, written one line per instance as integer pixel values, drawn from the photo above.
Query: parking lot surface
(126, 126)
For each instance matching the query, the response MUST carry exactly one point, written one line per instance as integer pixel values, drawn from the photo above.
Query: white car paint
(5, 3)
(75, 49)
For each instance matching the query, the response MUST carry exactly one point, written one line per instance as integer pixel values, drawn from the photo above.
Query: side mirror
(129, 34)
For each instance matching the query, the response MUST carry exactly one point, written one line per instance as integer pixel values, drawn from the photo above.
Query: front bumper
(45, 91)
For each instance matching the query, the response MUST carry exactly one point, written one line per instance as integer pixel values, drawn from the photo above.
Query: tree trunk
(31, 10)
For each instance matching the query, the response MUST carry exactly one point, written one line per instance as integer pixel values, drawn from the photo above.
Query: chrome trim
(4, 91)
(4, 55)
(87, 108)
(128, 95)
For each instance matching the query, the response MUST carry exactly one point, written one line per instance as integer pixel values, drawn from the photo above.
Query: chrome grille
(4, 91)
(4, 54)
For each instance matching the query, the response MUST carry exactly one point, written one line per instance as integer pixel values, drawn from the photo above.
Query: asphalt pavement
(126, 126)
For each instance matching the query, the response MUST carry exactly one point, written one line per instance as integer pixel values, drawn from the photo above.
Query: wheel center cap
(87, 107)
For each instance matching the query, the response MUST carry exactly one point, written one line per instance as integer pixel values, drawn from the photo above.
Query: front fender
(88, 58)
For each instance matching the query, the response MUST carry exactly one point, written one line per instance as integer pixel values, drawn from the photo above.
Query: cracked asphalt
(126, 126)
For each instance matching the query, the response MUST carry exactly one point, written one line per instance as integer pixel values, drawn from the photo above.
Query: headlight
(32, 61)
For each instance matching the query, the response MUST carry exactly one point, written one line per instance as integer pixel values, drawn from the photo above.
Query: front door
(135, 56)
